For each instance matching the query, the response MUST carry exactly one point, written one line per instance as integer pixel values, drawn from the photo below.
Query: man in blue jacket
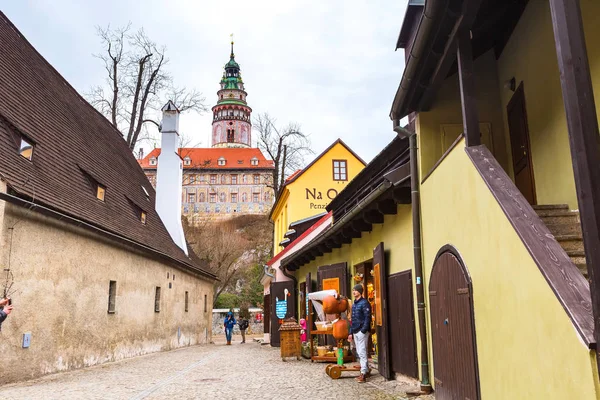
(360, 328)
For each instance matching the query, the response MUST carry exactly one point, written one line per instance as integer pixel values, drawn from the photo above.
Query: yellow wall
(526, 344)
(447, 110)
(318, 180)
(397, 238)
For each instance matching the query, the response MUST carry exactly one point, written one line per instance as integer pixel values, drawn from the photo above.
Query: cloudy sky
(328, 65)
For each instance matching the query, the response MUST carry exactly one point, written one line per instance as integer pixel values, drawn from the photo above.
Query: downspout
(416, 222)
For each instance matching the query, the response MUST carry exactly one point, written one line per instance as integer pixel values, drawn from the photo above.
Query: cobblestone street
(248, 371)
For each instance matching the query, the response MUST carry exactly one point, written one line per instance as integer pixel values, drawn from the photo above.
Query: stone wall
(255, 327)
(62, 276)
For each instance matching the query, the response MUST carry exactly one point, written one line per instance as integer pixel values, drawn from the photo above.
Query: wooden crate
(290, 339)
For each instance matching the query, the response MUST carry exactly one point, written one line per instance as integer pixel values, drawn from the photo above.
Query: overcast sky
(328, 65)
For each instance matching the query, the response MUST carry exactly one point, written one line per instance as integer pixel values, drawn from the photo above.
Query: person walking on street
(359, 330)
(243, 324)
(229, 324)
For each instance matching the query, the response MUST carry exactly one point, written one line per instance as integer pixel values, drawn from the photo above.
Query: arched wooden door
(452, 329)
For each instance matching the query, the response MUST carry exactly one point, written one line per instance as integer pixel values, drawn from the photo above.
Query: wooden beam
(361, 225)
(373, 217)
(466, 75)
(582, 123)
(387, 207)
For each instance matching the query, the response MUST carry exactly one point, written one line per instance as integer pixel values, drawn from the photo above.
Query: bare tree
(286, 146)
(137, 83)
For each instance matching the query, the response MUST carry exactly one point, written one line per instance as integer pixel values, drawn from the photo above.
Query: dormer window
(240, 161)
(254, 161)
(146, 193)
(26, 149)
(187, 161)
(100, 192)
(222, 161)
(152, 160)
(143, 217)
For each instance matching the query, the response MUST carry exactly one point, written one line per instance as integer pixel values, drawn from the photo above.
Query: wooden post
(466, 75)
(582, 122)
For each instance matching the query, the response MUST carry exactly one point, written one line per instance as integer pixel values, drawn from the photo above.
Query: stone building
(95, 270)
(231, 177)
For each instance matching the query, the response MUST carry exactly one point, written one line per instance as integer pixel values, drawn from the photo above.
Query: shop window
(340, 168)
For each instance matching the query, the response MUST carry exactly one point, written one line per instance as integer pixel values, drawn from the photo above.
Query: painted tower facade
(231, 125)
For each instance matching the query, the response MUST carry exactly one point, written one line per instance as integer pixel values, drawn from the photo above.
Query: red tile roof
(73, 143)
(206, 158)
(293, 176)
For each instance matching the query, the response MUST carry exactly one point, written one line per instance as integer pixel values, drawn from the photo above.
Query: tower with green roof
(231, 125)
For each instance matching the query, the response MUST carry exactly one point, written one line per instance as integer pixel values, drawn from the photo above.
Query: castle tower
(231, 125)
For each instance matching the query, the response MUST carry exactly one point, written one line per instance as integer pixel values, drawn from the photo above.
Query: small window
(254, 161)
(213, 197)
(157, 299)
(187, 301)
(187, 161)
(256, 179)
(152, 160)
(112, 296)
(100, 192)
(205, 303)
(234, 179)
(340, 168)
(191, 198)
(230, 134)
(234, 197)
(221, 161)
(192, 179)
(143, 217)
(26, 149)
(240, 161)
(201, 178)
(255, 197)
(213, 179)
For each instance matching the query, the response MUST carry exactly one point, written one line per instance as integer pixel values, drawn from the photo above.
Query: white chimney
(169, 176)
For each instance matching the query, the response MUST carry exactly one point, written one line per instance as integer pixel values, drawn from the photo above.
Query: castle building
(231, 177)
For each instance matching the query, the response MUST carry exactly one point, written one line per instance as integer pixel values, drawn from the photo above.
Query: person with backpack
(228, 325)
(243, 324)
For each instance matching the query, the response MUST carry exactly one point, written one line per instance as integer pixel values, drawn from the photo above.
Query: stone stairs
(565, 225)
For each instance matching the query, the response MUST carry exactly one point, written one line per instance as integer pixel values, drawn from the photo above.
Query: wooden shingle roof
(72, 142)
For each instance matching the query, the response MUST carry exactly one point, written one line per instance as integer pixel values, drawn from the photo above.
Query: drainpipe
(293, 278)
(416, 221)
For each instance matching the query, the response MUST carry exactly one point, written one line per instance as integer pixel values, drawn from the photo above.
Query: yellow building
(307, 192)
(504, 279)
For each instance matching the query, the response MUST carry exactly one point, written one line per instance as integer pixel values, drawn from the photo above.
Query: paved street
(248, 371)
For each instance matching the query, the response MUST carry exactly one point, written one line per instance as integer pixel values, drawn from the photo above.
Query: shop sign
(332, 283)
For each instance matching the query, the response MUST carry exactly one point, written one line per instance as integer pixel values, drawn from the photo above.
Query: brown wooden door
(267, 313)
(520, 145)
(403, 345)
(339, 271)
(452, 329)
(278, 294)
(381, 311)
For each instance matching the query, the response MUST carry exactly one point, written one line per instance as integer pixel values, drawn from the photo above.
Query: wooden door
(365, 269)
(282, 293)
(302, 300)
(381, 312)
(267, 313)
(452, 330)
(325, 276)
(403, 345)
(520, 145)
